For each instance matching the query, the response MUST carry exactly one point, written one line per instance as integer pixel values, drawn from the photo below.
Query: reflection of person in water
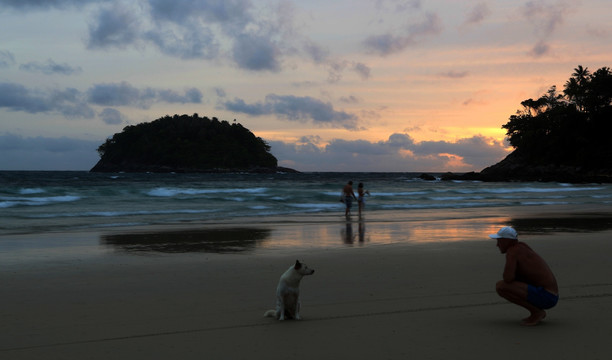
(347, 233)
(361, 231)
(361, 193)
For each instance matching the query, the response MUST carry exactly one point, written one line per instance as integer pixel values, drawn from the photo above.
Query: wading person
(527, 279)
(347, 197)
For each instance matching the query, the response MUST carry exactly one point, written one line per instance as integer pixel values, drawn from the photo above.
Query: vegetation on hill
(184, 144)
(560, 136)
(572, 128)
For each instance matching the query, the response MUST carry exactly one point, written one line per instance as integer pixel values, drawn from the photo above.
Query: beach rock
(427, 177)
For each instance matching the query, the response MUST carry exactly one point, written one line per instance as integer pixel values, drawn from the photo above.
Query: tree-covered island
(186, 144)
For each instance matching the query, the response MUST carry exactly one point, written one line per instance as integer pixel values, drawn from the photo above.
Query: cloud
(296, 108)
(397, 5)
(398, 153)
(390, 43)
(7, 59)
(50, 67)
(255, 52)
(115, 26)
(111, 116)
(539, 49)
(43, 153)
(68, 102)
(452, 74)
(187, 43)
(546, 16)
(477, 14)
(124, 94)
(73, 103)
(252, 36)
(220, 11)
(46, 4)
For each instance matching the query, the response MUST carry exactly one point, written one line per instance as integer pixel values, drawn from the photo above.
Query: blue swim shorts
(541, 298)
(348, 201)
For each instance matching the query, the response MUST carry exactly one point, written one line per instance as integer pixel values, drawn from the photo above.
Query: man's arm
(511, 265)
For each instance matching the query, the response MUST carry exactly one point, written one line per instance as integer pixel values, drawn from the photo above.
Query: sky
(342, 85)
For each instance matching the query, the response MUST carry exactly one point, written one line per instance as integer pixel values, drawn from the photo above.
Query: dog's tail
(270, 313)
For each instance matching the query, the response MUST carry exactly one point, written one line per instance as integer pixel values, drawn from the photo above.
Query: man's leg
(516, 292)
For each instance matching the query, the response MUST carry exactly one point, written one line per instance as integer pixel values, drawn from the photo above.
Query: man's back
(531, 268)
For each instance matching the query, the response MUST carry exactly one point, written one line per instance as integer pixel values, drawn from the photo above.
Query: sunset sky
(331, 85)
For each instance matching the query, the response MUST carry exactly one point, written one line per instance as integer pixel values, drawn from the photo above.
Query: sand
(100, 296)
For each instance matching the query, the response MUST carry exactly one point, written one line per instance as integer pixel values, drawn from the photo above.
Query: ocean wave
(172, 192)
(118, 213)
(7, 202)
(442, 205)
(526, 190)
(30, 191)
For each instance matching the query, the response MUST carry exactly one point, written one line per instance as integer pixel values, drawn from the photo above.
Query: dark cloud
(390, 43)
(187, 43)
(254, 52)
(296, 108)
(69, 102)
(46, 4)
(43, 153)
(73, 103)
(219, 11)
(124, 94)
(115, 26)
(399, 153)
(242, 33)
(111, 116)
(50, 67)
(6, 59)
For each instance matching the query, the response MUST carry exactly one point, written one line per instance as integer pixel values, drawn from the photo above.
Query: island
(186, 144)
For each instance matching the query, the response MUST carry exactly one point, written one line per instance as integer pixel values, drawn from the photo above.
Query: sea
(58, 201)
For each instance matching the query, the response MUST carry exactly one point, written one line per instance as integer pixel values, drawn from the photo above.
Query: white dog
(288, 293)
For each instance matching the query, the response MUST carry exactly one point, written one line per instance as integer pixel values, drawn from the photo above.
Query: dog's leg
(280, 309)
(297, 309)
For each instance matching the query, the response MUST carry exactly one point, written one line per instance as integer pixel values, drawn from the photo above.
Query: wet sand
(122, 295)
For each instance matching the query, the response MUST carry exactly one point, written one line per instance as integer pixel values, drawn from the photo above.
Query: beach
(101, 295)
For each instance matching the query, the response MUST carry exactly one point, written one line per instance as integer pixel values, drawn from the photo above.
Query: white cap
(505, 233)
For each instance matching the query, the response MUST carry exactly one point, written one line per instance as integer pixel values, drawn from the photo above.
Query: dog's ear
(297, 264)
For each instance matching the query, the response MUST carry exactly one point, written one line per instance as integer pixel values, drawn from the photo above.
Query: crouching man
(527, 280)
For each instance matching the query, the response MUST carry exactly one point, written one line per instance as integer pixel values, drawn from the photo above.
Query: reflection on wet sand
(589, 223)
(184, 241)
(325, 234)
(348, 237)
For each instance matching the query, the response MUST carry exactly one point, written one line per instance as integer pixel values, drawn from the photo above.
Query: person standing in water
(347, 197)
(361, 193)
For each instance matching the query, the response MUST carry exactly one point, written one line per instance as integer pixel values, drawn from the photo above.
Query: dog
(288, 293)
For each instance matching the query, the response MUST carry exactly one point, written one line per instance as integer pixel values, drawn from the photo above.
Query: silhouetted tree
(570, 128)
